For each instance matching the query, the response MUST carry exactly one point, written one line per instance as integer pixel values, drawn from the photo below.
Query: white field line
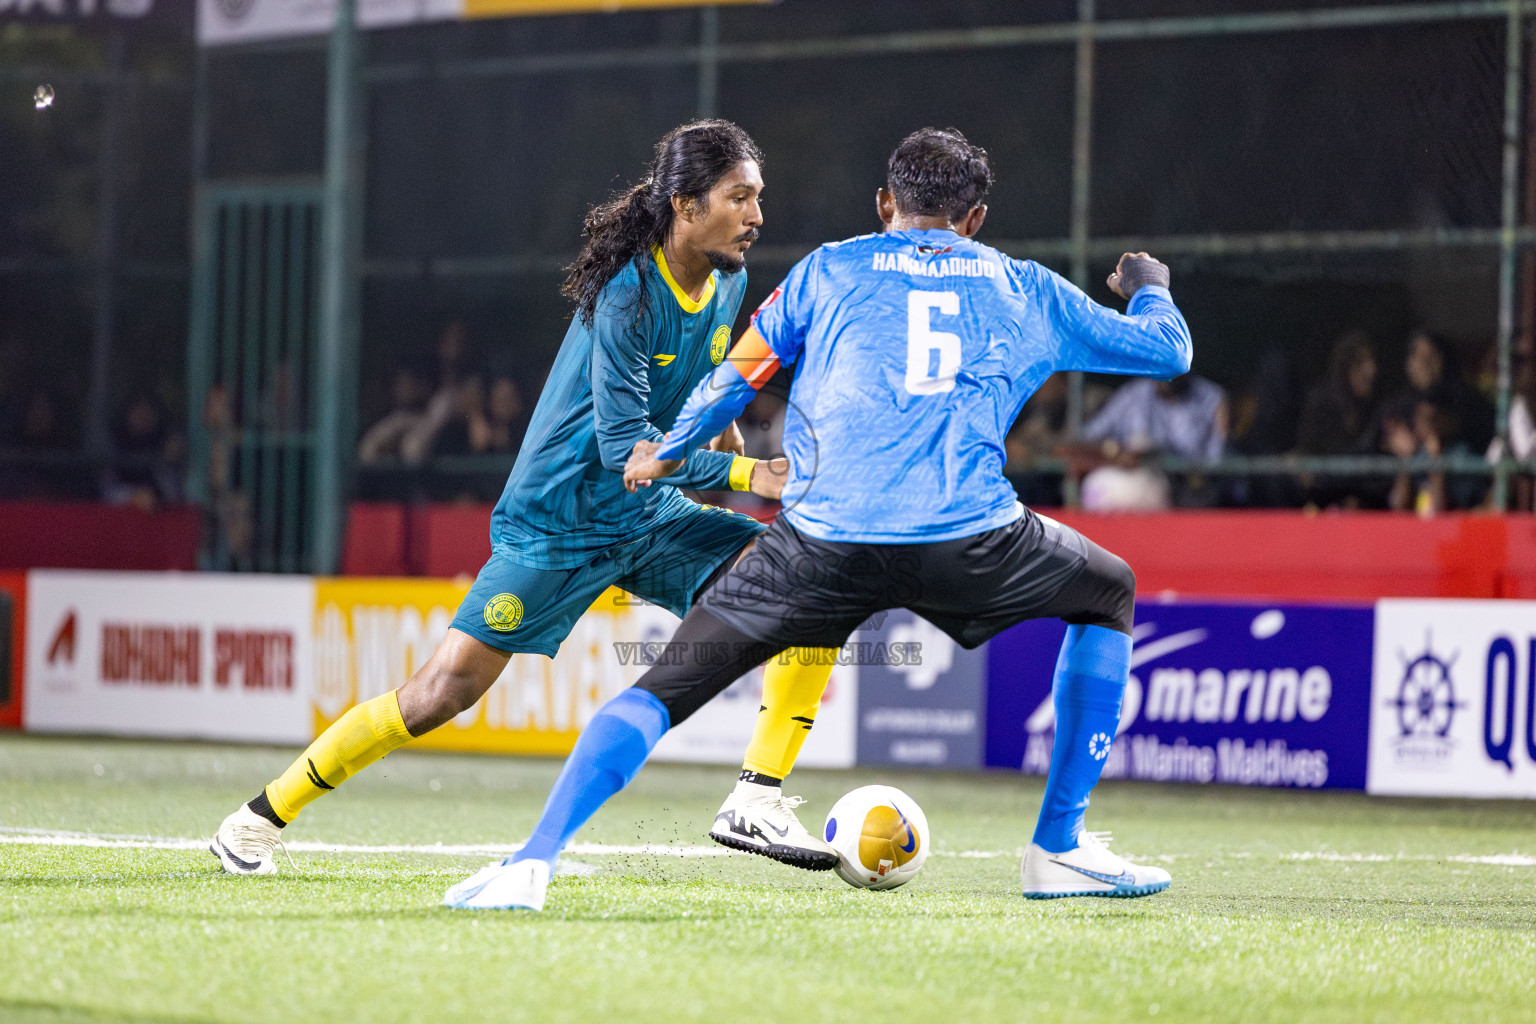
(51, 837)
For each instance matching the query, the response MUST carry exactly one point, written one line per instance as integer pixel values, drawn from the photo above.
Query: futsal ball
(880, 837)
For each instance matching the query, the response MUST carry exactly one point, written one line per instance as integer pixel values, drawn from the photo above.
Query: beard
(725, 262)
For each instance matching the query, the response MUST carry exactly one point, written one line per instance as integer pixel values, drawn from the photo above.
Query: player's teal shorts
(520, 609)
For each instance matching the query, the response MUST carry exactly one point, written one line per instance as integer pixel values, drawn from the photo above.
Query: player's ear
(685, 207)
(885, 206)
(974, 218)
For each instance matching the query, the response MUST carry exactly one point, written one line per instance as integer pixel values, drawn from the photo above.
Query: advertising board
(372, 634)
(207, 656)
(1261, 694)
(13, 651)
(1453, 701)
(921, 695)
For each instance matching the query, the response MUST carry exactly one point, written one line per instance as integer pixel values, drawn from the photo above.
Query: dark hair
(936, 172)
(689, 161)
(1349, 351)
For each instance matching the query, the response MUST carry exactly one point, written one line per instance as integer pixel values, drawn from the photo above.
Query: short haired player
(657, 289)
(914, 351)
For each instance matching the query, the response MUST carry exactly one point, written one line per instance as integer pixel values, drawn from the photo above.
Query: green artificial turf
(1285, 906)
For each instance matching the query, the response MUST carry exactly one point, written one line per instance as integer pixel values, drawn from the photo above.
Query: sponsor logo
(1099, 744)
(1202, 697)
(504, 612)
(718, 343)
(1425, 707)
(151, 654)
(665, 360)
(62, 646)
(936, 649)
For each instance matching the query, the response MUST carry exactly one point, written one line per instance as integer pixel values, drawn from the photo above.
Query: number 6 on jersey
(933, 356)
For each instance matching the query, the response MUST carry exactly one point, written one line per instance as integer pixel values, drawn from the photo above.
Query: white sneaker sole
(234, 865)
(1119, 892)
(794, 856)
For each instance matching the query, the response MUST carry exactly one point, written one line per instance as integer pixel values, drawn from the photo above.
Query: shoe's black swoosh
(781, 831)
(244, 865)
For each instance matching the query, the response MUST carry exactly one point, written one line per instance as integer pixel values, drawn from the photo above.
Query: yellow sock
(792, 687)
(353, 742)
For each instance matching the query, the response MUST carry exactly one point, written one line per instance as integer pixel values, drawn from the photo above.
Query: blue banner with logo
(1239, 694)
(921, 695)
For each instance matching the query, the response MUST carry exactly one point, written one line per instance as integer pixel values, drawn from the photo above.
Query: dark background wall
(477, 182)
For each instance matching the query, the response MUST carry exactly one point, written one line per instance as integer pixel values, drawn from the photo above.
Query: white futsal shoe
(1089, 870)
(761, 819)
(502, 886)
(244, 843)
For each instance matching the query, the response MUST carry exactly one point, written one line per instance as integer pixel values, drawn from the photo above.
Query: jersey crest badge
(504, 613)
(718, 343)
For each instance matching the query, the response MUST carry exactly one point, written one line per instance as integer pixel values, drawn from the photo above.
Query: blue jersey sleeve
(1150, 339)
(621, 402)
(785, 316)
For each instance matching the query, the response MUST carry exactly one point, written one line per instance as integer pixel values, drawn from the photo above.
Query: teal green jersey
(619, 381)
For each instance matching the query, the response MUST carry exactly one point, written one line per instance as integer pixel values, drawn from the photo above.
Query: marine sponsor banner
(13, 652)
(206, 656)
(372, 634)
(1260, 695)
(1453, 701)
(922, 697)
(243, 21)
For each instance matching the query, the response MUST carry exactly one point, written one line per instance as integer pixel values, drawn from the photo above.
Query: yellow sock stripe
(741, 473)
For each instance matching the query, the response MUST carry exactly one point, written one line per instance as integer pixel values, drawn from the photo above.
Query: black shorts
(793, 590)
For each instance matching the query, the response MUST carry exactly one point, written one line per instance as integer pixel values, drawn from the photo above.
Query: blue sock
(608, 753)
(1090, 680)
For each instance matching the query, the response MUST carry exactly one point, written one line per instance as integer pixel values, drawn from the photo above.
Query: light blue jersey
(913, 353)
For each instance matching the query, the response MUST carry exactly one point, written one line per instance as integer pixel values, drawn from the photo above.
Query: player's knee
(434, 695)
(1120, 588)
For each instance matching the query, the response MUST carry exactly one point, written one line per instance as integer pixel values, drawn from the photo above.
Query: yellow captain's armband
(741, 473)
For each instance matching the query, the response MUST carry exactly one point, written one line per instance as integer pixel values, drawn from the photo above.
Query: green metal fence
(253, 384)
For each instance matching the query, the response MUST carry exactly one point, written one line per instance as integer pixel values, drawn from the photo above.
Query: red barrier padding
(1357, 556)
(13, 592)
(1352, 556)
(375, 544)
(80, 535)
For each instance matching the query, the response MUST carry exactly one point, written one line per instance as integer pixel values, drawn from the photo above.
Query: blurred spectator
(1336, 419)
(1264, 415)
(1039, 432)
(382, 441)
(446, 428)
(1434, 375)
(1415, 428)
(282, 401)
(232, 528)
(1337, 411)
(40, 427)
(1264, 423)
(451, 345)
(144, 471)
(499, 430)
(1185, 417)
(1522, 431)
